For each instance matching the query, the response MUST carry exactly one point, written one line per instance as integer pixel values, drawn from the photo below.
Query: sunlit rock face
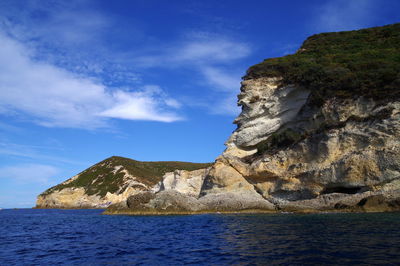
(346, 146)
(185, 182)
(266, 107)
(341, 156)
(342, 152)
(78, 198)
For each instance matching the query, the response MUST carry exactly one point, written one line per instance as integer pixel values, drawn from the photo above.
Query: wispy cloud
(55, 40)
(9, 128)
(53, 96)
(35, 152)
(338, 15)
(65, 23)
(29, 173)
(228, 82)
(196, 50)
(212, 57)
(222, 79)
(227, 106)
(73, 35)
(215, 50)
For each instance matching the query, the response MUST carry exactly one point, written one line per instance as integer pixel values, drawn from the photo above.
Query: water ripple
(84, 237)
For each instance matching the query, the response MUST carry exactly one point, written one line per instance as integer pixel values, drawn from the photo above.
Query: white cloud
(63, 22)
(212, 58)
(29, 173)
(211, 51)
(140, 106)
(56, 97)
(339, 15)
(197, 51)
(222, 80)
(73, 37)
(228, 83)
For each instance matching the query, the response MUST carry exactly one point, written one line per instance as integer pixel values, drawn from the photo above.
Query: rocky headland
(110, 181)
(319, 131)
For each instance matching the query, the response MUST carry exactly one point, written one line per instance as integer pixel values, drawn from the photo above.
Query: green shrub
(342, 64)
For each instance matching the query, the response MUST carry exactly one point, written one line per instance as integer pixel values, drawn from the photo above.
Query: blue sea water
(85, 237)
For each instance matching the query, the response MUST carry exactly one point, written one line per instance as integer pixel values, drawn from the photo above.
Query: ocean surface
(85, 237)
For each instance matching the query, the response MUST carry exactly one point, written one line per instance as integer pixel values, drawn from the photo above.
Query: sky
(81, 81)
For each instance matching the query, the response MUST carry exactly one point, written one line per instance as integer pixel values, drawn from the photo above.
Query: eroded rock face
(90, 189)
(67, 198)
(185, 182)
(345, 147)
(77, 198)
(266, 107)
(290, 155)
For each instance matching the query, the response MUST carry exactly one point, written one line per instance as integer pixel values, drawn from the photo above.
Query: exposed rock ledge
(172, 202)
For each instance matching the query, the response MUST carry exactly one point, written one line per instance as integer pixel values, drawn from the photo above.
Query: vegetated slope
(343, 64)
(108, 175)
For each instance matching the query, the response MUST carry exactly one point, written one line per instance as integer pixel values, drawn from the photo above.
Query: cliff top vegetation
(343, 64)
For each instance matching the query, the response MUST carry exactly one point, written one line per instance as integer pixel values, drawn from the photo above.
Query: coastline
(248, 211)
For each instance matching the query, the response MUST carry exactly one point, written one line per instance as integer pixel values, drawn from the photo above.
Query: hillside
(107, 175)
(115, 175)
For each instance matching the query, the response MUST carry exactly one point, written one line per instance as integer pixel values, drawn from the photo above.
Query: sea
(86, 237)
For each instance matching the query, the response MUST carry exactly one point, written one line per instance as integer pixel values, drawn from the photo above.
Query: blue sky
(150, 80)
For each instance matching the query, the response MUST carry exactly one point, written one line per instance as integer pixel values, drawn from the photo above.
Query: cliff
(110, 181)
(319, 131)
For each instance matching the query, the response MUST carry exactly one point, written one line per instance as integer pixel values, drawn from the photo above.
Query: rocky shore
(318, 132)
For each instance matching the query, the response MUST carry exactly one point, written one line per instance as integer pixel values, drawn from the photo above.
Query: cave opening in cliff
(345, 190)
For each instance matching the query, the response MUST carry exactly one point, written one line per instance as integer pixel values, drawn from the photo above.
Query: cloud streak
(59, 35)
(29, 173)
(212, 57)
(206, 51)
(35, 152)
(55, 97)
(196, 51)
(339, 15)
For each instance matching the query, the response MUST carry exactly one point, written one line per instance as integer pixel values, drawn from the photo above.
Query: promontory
(319, 131)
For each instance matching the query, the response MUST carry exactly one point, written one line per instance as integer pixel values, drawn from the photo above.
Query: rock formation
(319, 131)
(109, 182)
